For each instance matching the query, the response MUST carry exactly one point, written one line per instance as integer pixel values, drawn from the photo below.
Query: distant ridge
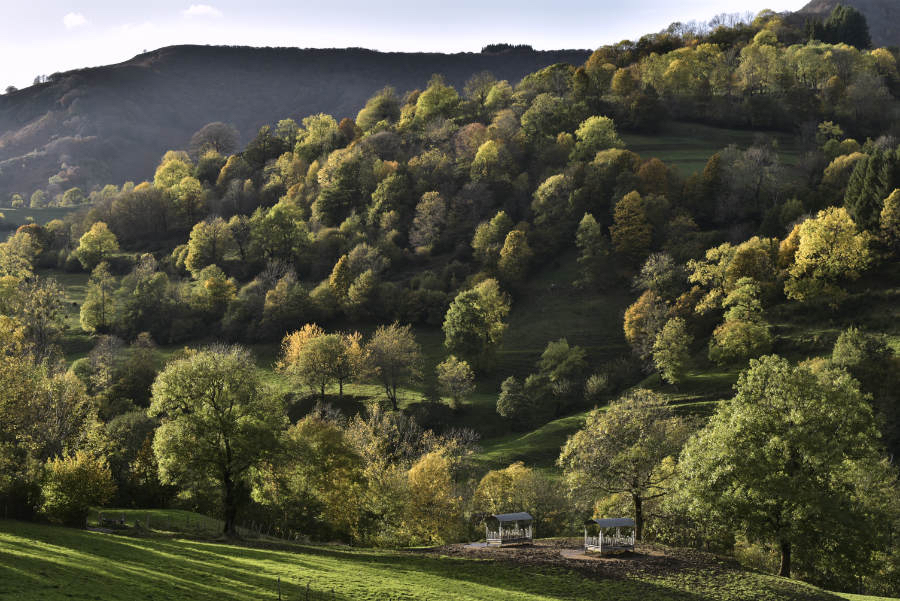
(113, 123)
(883, 17)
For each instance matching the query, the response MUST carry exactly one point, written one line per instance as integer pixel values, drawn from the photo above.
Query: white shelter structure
(609, 535)
(509, 529)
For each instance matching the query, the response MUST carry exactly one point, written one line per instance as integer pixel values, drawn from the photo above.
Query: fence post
(307, 591)
(279, 588)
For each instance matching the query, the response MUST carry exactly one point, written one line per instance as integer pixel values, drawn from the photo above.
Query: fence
(509, 535)
(609, 541)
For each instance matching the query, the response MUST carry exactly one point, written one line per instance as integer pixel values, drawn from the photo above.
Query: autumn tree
(515, 256)
(631, 232)
(830, 250)
(217, 422)
(218, 137)
(744, 333)
(595, 133)
(626, 449)
(671, 350)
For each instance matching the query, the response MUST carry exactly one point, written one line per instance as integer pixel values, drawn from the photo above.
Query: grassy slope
(689, 145)
(25, 215)
(46, 563)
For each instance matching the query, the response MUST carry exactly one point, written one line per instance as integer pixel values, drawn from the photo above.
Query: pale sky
(44, 36)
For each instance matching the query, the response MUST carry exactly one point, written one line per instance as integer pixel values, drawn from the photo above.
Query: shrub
(72, 485)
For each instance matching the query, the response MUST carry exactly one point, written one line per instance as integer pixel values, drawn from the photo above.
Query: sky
(39, 37)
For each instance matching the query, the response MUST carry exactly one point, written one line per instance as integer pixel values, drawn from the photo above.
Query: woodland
(480, 299)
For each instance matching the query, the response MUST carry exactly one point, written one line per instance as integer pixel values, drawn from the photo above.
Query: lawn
(688, 146)
(45, 563)
(25, 215)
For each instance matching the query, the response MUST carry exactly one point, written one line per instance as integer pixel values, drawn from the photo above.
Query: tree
(777, 462)
(830, 250)
(592, 251)
(98, 308)
(744, 334)
(383, 106)
(643, 321)
(473, 326)
(515, 257)
(429, 221)
(211, 243)
(595, 133)
(395, 358)
(72, 485)
(217, 421)
(218, 137)
(626, 449)
(455, 379)
(513, 403)
(96, 245)
(43, 313)
(631, 232)
(433, 512)
(562, 367)
(489, 239)
(671, 350)
(890, 220)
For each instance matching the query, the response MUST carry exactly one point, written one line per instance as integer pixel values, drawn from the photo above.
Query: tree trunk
(638, 517)
(230, 506)
(340, 389)
(323, 392)
(785, 569)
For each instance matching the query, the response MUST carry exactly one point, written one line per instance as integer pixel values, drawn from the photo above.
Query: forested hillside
(883, 17)
(92, 126)
(461, 301)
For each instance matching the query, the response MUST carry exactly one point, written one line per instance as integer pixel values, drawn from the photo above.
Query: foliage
(74, 484)
(96, 245)
(671, 350)
(830, 250)
(780, 462)
(627, 448)
(456, 380)
(216, 423)
(395, 358)
(473, 326)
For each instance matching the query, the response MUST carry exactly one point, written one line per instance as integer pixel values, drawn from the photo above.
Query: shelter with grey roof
(509, 529)
(609, 535)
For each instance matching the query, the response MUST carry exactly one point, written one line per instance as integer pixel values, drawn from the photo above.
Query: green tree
(489, 239)
(777, 462)
(383, 106)
(96, 245)
(473, 326)
(671, 350)
(744, 334)
(890, 220)
(595, 133)
(455, 379)
(830, 250)
(98, 308)
(562, 366)
(395, 358)
(211, 243)
(626, 449)
(217, 422)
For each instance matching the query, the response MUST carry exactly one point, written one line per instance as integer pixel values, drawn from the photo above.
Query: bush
(72, 485)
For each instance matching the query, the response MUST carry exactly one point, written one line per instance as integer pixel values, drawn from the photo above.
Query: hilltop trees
(217, 421)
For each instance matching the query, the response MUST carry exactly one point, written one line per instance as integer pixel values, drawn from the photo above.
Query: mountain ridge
(112, 123)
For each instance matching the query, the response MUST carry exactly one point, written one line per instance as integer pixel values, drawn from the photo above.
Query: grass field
(25, 215)
(688, 146)
(46, 563)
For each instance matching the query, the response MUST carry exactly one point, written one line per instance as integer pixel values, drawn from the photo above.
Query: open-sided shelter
(509, 529)
(609, 535)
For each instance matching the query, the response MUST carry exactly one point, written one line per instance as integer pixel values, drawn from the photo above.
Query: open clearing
(46, 563)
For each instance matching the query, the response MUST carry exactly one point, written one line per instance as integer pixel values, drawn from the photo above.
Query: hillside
(112, 123)
(883, 17)
(88, 565)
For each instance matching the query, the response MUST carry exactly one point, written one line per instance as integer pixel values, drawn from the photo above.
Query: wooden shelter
(509, 529)
(609, 535)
